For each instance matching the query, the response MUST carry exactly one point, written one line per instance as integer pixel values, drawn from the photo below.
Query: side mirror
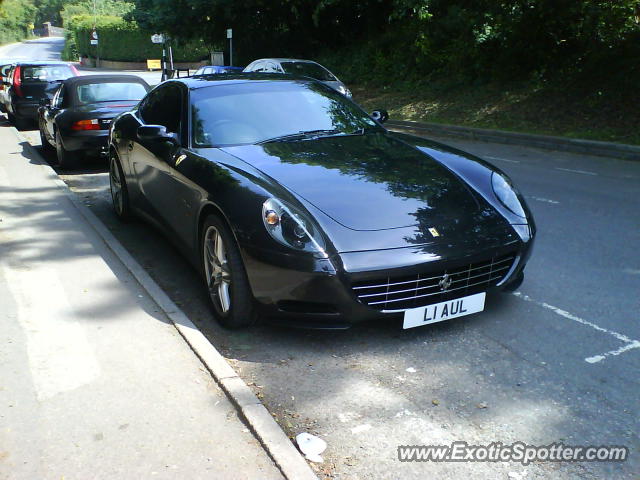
(156, 132)
(380, 116)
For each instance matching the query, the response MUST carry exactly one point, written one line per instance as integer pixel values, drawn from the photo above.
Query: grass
(577, 110)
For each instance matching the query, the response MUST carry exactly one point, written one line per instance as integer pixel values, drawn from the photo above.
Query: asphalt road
(556, 362)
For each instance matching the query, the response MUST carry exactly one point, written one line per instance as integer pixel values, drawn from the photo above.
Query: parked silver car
(295, 66)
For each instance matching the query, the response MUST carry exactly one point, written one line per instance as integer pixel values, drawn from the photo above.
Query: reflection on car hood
(370, 182)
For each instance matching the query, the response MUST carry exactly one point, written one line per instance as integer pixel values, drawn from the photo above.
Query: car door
(51, 111)
(151, 160)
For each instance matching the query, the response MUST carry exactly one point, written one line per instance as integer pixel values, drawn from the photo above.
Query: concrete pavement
(95, 381)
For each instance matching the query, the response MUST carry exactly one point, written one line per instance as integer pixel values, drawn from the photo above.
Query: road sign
(94, 38)
(157, 38)
(229, 33)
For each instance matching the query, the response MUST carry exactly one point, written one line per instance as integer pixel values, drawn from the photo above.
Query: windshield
(107, 92)
(45, 73)
(253, 112)
(308, 69)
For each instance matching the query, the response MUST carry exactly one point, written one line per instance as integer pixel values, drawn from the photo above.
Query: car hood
(370, 182)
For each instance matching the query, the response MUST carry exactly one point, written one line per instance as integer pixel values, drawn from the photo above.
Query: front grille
(418, 290)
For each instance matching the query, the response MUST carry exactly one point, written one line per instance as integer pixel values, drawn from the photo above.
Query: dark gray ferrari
(294, 204)
(75, 122)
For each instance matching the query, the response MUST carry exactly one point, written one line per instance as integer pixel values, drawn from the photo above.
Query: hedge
(120, 40)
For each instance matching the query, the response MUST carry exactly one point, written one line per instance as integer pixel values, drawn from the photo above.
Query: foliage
(16, 20)
(120, 40)
(479, 38)
(100, 8)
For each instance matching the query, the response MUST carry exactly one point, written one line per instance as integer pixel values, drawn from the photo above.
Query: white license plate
(438, 312)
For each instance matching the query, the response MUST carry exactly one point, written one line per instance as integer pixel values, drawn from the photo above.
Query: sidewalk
(95, 382)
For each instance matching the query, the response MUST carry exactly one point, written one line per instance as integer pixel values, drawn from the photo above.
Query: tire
(46, 146)
(66, 159)
(225, 276)
(118, 188)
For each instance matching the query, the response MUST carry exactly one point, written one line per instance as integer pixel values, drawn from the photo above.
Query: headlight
(290, 227)
(506, 193)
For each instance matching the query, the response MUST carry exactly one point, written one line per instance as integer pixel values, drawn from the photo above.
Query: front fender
(473, 170)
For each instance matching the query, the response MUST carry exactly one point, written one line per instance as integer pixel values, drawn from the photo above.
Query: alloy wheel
(115, 183)
(217, 270)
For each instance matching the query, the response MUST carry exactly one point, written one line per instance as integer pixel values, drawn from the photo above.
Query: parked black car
(28, 83)
(76, 121)
(294, 203)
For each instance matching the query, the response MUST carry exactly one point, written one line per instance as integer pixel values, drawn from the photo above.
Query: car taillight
(17, 81)
(86, 125)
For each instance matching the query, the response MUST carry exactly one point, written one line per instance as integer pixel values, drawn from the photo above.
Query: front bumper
(310, 292)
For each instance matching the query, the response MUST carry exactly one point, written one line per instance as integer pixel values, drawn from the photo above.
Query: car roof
(217, 66)
(82, 79)
(300, 60)
(202, 81)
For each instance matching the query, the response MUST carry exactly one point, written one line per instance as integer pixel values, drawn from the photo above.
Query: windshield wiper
(302, 134)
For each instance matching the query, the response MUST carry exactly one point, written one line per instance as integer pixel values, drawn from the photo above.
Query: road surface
(556, 362)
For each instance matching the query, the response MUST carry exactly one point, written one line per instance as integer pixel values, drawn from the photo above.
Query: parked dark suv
(27, 84)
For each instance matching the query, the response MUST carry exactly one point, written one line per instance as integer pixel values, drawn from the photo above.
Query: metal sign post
(230, 37)
(94, 41)
(159, 38)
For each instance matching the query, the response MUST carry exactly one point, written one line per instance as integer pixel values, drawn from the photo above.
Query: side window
(258, 67)
(163, 106)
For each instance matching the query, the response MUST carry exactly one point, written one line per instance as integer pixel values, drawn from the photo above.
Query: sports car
(294, 204)
(75, 122)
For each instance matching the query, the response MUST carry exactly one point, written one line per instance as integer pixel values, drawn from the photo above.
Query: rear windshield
(307, 69)
(45, 73)
(110, 92)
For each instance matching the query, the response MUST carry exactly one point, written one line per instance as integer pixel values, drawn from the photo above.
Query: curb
(591, 147)
(276, 443)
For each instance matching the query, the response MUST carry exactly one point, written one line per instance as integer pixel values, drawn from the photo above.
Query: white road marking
(502, 159)
(631, 344)
(545, 200)
(626, 348)
(583, 172)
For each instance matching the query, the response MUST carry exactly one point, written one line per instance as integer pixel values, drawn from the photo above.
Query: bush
(16, 19)
(120, 40)
(70, 52)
